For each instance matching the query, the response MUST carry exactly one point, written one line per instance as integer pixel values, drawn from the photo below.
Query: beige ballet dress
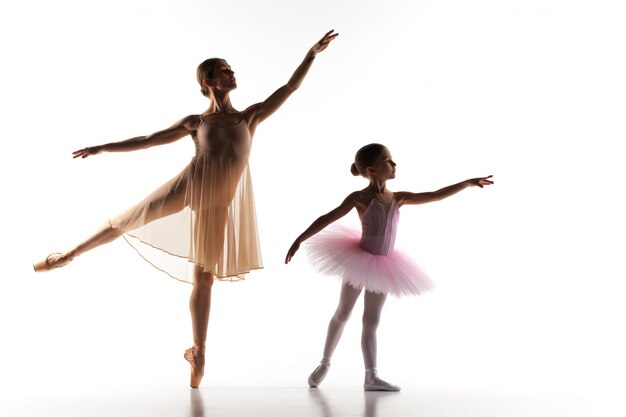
(205, 215)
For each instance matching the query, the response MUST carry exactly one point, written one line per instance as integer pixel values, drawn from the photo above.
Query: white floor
(162, 401)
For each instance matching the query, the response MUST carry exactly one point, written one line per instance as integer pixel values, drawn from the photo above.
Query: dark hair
(365, 157)
(204, 71)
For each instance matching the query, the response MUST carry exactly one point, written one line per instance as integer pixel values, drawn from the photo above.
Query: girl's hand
(85, 152)
(323, 43)
(292, 251)
(480, 182)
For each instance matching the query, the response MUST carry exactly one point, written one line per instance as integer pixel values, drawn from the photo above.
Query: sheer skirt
(203, 216)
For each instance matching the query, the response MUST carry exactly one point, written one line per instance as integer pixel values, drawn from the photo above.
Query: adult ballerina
(212, 196)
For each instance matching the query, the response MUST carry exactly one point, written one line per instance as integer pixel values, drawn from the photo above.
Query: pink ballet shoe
(196, 372)
(374, 383)
(318, 375)
(53, 261)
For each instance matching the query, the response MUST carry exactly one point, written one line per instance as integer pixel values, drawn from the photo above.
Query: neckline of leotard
(387, 212)
(222, 127)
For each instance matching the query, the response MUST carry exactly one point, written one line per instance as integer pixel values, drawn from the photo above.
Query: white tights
(373, 305)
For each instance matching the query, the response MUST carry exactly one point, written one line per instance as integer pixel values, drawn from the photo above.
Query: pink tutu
(336, 251)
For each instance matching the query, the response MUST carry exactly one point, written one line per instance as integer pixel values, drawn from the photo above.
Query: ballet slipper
(53, 261)
(196, 372)
(374, 383)
(318, 375)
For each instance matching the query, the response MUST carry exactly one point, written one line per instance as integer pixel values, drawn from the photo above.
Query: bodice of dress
(232, 142)
(379, 227)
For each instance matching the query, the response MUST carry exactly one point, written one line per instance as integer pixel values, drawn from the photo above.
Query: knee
(342, 316)
(371, 320)
(153, 208)
(203, 279)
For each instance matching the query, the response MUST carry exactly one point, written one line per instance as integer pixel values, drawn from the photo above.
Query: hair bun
(354, 170)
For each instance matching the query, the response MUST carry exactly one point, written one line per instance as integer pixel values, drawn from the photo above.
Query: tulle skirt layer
(335, 251)
(203, 217)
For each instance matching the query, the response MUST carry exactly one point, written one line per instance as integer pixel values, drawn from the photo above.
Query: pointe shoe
(318, 375)
(53, 261)
(196, 372)
(374, 383)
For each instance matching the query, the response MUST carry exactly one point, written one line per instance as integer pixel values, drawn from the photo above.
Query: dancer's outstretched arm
(173, 133)
(321, 222)
(404, 197)
(260, 111)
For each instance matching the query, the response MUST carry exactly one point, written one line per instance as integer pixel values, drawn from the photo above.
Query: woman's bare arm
(173, 133)
(263, 110)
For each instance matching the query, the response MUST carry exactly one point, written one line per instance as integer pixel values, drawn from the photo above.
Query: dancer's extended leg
(373, 307)
(168, 199)
(103, 235)
(347, 300)
(200, 307)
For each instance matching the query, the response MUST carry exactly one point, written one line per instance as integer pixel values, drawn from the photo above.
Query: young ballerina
(367, 260)
(205, 215)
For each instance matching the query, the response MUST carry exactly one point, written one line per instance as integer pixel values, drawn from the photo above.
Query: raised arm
(445, 192)
(321, 222)
(263, 110)
(173, 133)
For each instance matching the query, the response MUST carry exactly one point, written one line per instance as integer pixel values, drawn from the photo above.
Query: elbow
(150, 141)
(145, 144)
(292, 86)
(322, 220)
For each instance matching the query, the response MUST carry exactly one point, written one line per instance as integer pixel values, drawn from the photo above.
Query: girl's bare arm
(321, 222)
(404, 197)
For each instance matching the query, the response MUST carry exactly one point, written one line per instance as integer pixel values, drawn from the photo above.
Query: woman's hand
(324, 42)
(292, 250)
(479, 182)
(85, 152)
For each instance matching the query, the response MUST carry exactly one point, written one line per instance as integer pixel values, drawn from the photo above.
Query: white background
(529, 272)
